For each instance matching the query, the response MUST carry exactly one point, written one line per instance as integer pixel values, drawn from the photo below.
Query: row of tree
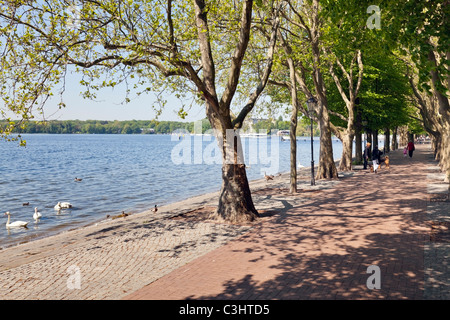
(362, 67)
(145, 127)
(106, 127)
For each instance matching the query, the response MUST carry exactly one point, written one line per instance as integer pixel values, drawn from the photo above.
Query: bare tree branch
(238, 122)
(238, 55)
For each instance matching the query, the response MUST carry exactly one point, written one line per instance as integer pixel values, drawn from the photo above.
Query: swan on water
(15, 224)
(63, 205)
(37, 215)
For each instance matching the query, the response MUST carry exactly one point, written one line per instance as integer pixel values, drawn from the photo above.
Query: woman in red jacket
(411, 148)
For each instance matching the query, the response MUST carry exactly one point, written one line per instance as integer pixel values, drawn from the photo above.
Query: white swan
(37, 215)
(300, 165)
(15, 224)
(63, 205)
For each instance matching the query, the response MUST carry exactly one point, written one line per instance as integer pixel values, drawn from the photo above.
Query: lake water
(128, 173)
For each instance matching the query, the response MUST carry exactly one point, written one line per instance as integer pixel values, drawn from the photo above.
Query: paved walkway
(107, 260)
(317, 244)
(322, 248)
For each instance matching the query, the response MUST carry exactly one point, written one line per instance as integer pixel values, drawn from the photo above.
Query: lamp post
(311, 103)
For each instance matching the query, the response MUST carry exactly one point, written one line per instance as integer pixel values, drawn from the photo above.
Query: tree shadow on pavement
(322, 249)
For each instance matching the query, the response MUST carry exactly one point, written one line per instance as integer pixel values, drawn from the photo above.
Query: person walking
(366, 155)
(411, 148)
(376, 158)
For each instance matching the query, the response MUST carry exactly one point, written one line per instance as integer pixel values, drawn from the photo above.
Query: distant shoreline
(137, 127)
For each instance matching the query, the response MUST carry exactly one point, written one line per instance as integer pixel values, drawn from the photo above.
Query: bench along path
(322, 247)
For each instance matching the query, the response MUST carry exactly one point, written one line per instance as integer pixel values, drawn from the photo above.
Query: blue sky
(108, 106)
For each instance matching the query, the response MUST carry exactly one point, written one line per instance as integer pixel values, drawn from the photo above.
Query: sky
(109, 106)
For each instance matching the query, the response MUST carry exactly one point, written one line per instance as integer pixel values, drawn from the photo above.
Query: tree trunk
(444, 151)
(358, 139)
(293, 157)
(437, 147)
(347, 151)
(293, 176)
(347, 140)
(444, 104)
(387, 140)
(403, 135)
(351, 102)
(358, 148)
(327, 167)
(374, 138)
(235, 200)
(394, 144)
(294, 120)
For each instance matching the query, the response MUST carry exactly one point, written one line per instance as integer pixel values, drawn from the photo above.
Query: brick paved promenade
(321, 249)
(313, 245)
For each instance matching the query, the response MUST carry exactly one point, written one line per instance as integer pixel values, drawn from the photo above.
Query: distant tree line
(107, 127)
(140, 127)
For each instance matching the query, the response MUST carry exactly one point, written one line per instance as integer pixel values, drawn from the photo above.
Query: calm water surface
(119, 172)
